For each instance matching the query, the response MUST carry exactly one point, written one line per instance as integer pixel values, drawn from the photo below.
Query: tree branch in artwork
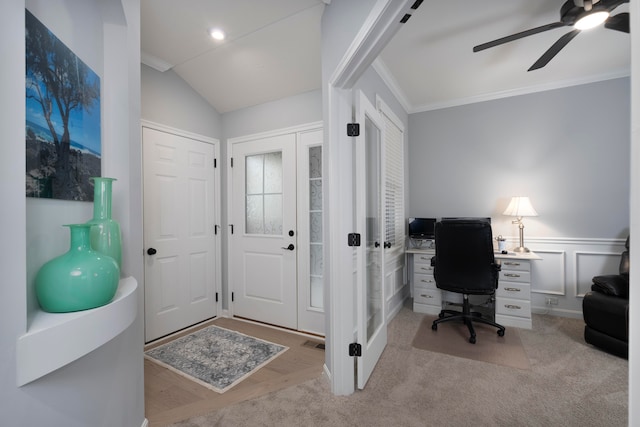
(57, 79)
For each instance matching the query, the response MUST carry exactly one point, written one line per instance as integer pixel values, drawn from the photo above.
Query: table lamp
(519, 207)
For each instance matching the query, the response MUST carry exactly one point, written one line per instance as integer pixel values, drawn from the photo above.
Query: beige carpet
(453, 338)
(570, 384)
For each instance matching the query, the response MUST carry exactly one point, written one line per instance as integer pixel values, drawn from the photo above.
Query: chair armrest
(613, 284)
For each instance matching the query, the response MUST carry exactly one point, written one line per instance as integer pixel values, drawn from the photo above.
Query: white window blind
(394, 182)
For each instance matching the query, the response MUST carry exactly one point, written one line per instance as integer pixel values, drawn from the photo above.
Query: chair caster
(441, 315)
(434, 326)
(472, 339)
(500, 332)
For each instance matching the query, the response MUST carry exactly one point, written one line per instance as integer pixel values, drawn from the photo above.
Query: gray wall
(167, 99)
(567, 149)
(106, 386)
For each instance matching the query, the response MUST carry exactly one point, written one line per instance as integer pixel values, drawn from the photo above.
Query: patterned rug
(215, 357)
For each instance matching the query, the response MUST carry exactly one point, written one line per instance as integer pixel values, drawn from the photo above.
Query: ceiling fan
(579, 14)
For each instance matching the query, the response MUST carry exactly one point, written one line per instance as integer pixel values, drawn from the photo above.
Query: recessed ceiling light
(216, 33)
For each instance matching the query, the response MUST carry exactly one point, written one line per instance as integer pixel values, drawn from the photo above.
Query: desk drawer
(515, 276)
(420, 268)
(428, 296)
(423, 258)
(509, 264)
(513, 307)
(514, 290)
(424, 281)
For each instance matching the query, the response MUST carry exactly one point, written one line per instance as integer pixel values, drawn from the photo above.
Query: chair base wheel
(472, 340)
(500, 332)
(434, 327)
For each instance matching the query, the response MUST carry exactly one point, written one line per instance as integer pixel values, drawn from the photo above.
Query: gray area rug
(215, 357)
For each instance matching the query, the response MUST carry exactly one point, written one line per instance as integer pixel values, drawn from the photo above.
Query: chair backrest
(464, 260)
(624, 261)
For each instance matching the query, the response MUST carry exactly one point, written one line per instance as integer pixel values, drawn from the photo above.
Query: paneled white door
(263, 254)
(370, 297)
(180, 245)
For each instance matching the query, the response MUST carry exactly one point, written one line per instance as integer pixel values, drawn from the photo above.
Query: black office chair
(464, 263)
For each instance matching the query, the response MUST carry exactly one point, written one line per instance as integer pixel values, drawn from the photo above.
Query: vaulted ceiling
(272, 50)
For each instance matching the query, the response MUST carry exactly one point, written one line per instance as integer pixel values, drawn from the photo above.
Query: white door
(180, 241)
(263, 254)
(371, 321)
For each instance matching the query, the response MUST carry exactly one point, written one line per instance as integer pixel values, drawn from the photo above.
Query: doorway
(275, 224)
(181, 232)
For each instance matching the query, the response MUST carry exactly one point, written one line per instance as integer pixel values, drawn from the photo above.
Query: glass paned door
(372, 327)
(263, 213)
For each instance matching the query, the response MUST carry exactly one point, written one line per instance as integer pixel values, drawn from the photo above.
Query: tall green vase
(79, 279)
(105, 232)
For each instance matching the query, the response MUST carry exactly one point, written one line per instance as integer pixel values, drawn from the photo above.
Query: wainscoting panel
(561, 278)
(589, 264)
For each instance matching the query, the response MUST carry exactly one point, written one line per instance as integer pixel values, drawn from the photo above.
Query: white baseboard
(145, 423)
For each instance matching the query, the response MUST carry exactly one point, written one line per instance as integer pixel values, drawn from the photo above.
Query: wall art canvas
(63, 139)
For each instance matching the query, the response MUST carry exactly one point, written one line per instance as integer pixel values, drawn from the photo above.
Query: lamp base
(521, 249)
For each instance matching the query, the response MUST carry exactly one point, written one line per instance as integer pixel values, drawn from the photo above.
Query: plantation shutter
(394, 183)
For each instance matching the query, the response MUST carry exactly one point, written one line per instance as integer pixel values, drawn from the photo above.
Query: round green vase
(105, 232)
(78, 280)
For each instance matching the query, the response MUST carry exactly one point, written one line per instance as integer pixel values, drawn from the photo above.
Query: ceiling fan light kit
(579, 14)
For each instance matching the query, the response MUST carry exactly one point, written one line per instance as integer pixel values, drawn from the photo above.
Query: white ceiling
(272, 50)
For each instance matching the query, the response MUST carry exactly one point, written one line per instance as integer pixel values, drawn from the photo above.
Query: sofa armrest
(614, 284)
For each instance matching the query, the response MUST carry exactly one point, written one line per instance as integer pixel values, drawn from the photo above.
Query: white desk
(513, 296)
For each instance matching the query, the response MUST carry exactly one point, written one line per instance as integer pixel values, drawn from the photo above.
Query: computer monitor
(466, 218)
(422, 228)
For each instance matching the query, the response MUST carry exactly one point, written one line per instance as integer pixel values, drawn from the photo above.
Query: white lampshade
(520, 206)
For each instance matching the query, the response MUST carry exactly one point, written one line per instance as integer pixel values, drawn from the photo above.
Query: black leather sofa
(606, 310)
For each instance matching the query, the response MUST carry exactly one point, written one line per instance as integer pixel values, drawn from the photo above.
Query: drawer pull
(512, 289)
(426, 268)
(424, 258)
(511, 275)
(513, 307)
(426, 281)
(511, 263)
(426, 296)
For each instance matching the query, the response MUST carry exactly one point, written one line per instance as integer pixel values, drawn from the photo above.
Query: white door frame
(238, 140)
(217, 198)
(340, 274)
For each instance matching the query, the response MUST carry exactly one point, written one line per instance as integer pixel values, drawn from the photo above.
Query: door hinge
(231, 162)
(216, 297)
(233, 297)
(215, 229)
(353, 239)
(231, 225)
(353, 129)
(215, 163)
(355, 349)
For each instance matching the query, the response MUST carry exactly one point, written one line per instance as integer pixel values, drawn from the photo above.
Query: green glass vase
(105, 232)
(78, 280)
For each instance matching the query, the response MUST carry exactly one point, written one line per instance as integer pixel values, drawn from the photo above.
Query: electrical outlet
(551, 301)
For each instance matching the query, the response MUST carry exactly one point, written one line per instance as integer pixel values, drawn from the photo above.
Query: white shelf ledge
(57, 339)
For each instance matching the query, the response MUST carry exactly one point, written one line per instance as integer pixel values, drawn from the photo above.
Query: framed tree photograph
(63, 136)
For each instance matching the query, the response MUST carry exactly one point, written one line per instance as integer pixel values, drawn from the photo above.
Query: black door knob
(290, 247)
(376, 244)
(152, 251)
(291, 233)
(387, 244)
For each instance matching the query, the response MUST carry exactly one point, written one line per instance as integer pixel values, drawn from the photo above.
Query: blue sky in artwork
(84, 125)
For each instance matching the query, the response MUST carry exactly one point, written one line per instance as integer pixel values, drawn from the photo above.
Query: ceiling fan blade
(517, 36)
(619, 22)
(553, 50)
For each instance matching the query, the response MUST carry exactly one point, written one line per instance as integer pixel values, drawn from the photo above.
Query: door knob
(387, 244)
(376, 244)
(152, 251)
(290, 247)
